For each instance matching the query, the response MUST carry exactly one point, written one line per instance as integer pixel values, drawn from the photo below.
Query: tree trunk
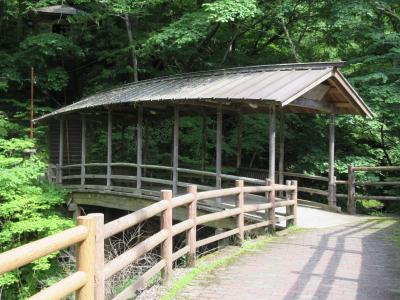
(133, 57)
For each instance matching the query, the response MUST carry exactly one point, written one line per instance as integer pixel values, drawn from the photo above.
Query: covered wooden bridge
(128, 183)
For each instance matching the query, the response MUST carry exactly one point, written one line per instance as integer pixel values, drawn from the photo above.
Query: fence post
(166, 247)
(99, 257)
(293, 208)
(351, 191)
(191, 233)
(240, 216)
(270, 197)
(86, 257)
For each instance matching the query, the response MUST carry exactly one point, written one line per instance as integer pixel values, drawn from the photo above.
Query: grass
(203, 265)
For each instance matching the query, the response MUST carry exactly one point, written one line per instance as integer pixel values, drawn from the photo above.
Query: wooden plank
(378, 168)
(131, 255)
(313, 104)
(63, 288)
(141, 283)
(217, 237)
(139, 143)
(312, 191)
(378, 183)
(306, 176)
(109, 146)
(175, 154)
(381, 198)
(23, 255)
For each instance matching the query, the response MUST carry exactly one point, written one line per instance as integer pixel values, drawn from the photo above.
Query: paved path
(352, 261)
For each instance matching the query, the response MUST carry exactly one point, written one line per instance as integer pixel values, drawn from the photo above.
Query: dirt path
(352, 261)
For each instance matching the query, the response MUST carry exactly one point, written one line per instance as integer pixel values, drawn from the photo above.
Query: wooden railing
(352, 196)
(91, 232)
(81, 281)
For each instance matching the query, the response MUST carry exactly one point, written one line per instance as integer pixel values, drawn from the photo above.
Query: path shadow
(362, 261)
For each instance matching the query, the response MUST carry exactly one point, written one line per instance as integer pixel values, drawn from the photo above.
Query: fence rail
(89, 235)
(352, 196)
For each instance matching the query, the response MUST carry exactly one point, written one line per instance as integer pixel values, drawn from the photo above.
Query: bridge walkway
(351, 261)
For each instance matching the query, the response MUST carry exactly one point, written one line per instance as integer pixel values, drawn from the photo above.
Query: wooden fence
(352, 183)
(89, 279)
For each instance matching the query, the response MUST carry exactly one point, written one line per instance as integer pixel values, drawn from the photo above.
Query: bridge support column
(239, 141)
(281, 146)
(175, 160)
(218, 155)
(139, 144)
(271, 175)
(331, 171)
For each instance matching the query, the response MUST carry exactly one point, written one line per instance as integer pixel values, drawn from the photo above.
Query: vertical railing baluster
(167, 247)
(351, 191)
(99, 279)
(191, 233)
(240, 216)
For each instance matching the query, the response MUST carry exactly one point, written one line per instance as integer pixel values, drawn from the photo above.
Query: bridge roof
(302, 87)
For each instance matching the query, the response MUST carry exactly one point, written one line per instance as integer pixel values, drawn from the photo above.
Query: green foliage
(371, 207)
(28, 211)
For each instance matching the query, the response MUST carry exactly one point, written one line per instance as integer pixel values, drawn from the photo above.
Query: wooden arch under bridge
(315, 88)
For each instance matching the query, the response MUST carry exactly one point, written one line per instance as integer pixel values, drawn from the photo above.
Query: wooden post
(331, 172)
(99, 257)
(191, 233)
(272, 134)
(239, 141)
(270, 197)
(203, 142)
(167, 247)
(139, 135)
(175, 160)
(83, 150)
(240, 217)
(109, 147)
(292, 209)
(351, 191)
(218, 183)
(281, 146)
(86, 257)
(60, 153)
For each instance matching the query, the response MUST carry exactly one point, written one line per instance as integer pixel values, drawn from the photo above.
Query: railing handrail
(91, 233)
(81, 281)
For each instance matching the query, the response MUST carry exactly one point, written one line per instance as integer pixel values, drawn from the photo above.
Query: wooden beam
(281, 146)
(175, 160)
(218, 155)
(83, 150)
(139, 145)
(313, 104)
(272, 134)
(60, 151)
(109, 146)
(331, 171)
